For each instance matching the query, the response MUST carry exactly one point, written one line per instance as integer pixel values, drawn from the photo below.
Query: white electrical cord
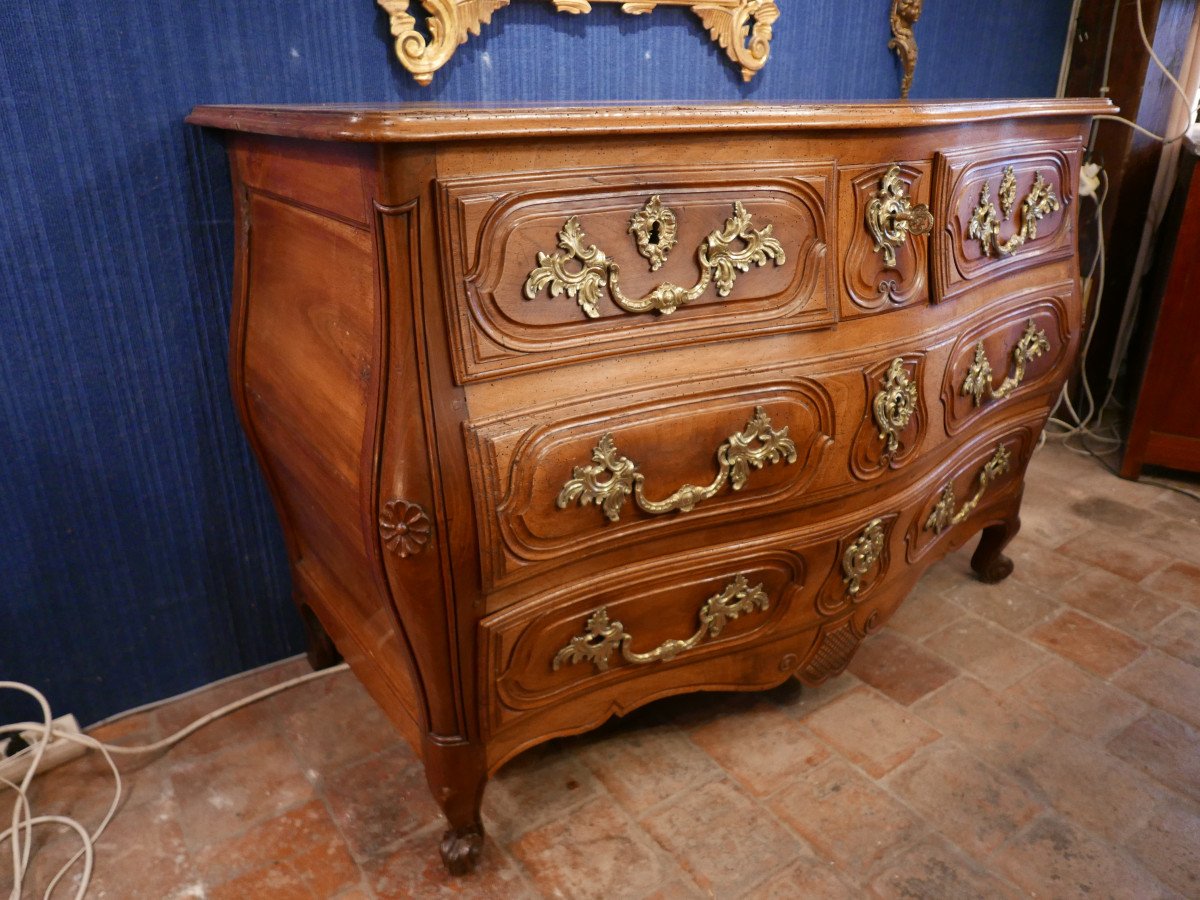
(20, 833)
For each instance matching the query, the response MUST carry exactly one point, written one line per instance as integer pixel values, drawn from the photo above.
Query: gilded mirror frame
(742, 28)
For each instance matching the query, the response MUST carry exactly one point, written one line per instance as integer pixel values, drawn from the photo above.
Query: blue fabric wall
(139, 554)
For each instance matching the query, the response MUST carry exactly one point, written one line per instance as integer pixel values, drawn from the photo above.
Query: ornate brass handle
(601, 637)
(985, 224)
(861, 555)
(717, 260)
(891, 216)
(944, 514)
(1032, 344)
(894, 405)
(736, 457)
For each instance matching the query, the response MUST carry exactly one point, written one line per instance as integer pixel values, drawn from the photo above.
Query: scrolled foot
(461, 848)
(995, 570)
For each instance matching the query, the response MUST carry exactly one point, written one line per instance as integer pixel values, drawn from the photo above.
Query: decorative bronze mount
(742, 28)
(861, 556)
(716, 257)
(892, 216)
(602, 636)
(903, 17)
(894, 405)
(944, 512)
(736, 457)
(978, 381)
(985, 223)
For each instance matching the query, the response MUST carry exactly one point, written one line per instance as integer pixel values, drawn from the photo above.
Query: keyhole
(655, 228)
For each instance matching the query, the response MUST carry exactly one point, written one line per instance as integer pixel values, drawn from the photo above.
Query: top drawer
(1002, 208)
(544, 270)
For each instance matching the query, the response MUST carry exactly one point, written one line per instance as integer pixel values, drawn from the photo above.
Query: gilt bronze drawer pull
(894, 405)
(602, 636)
(736, 457)
(985, 223)
(717, 259)
(944, 514)
(861, 556)
(892, 217)
(1032, 344)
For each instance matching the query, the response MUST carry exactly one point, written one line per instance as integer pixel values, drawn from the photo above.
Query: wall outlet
(59, 751)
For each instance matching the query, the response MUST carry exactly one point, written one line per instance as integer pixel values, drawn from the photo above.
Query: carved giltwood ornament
(978, 380)
(602, 637)
(716, 256)
(903, 17)
(742, 28)
(984, 225)
(611, 477)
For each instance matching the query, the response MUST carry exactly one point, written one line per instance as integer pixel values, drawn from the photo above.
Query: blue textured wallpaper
(139, 554)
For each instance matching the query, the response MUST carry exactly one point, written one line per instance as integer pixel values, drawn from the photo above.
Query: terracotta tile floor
(1041, 736)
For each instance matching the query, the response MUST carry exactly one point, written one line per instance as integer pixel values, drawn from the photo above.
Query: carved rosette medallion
(653, 226)
(742, 28)
(894, 405)
(405, 528)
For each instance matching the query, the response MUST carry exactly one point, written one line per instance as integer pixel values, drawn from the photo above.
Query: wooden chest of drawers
(567, 410)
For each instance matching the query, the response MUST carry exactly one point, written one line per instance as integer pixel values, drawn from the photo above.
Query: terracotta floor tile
(1111, 513)
(642, 768)
(1169, 846)
(676, 890)
(542, 784)
(1174, 536)
(1048, 523)
(1165, 748)
(988, 725)
(1118, 602)
(923, 612)
(871, 731)
(414, 870)
(1054, 858)
(987, 651)
(1012, 604)
(1178, 581)
(1076, 701)
(1166, 682)
(722, 838)
(337, 725)
(763, 748)
(220, 794)
(380, 800)
(931, 868)
(1088, 643)
(845, 817)
(1180, 636)
(808, 700)
(1040, 566)
(302, 845)
(949, 572)
(974, 805)
(808, 878)
(593, 852)
(1088, 786)
(899, 668)
(1117, 552)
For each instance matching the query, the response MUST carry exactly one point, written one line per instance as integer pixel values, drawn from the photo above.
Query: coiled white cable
(20, 832)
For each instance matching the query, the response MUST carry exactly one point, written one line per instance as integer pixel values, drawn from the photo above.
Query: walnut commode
(566, 410)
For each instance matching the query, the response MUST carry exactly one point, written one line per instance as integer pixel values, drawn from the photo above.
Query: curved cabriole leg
(321, 651)
(457, 778)
(989, 563)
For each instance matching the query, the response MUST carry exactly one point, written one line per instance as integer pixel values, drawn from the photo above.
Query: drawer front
(1000, 209)
(1011, 355)
(643, 464)
(551, 269)
(739, 615)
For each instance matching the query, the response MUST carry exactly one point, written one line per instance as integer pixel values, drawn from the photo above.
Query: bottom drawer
(739, 616)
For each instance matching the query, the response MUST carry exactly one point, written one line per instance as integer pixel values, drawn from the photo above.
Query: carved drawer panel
(1008, 356)
(553, 485)
(1001, 209)
(557, 268)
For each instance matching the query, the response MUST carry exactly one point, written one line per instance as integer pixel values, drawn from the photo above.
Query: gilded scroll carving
(742, 28)
(903, 17)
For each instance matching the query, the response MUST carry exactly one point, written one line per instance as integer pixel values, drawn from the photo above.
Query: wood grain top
(436, 122)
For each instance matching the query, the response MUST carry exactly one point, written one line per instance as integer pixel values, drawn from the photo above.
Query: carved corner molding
(742, 28)
(903, 17)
